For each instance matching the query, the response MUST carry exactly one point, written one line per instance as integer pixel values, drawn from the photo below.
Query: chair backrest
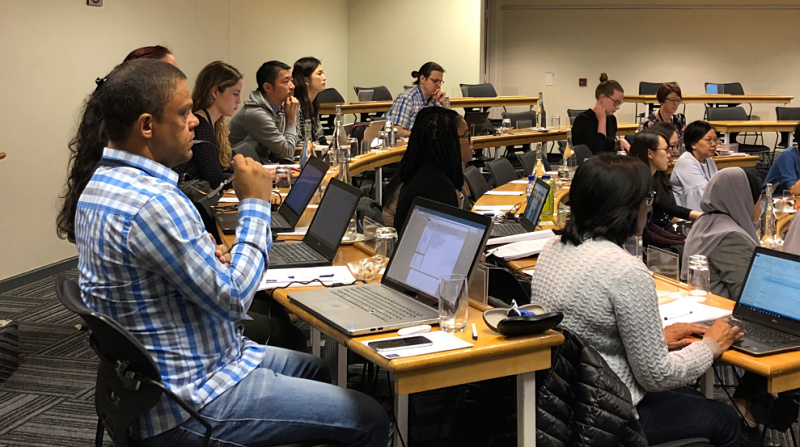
(486, 90)
(517, 116)
(786, 114)
(528, 161)
(502, 171)
(69, 294)
(573, 113)
(726, 114)
(379, 93)
(582, 152)
(476, 182)
(330, 95)
(649, 88)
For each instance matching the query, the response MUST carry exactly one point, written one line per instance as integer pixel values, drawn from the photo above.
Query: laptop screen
(535, 204)
(333, 214)
(712, 89)
(304, 187)
(772, 286)
(434, 244)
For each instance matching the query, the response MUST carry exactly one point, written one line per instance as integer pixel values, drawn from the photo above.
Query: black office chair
(573, 113)
(379, 93)
(476, 182)
(785, 114)
(502, 171)
(485, 90)
(731, 88)
(647, 88)
(69, 294)
(513, 152)
(738, 114)
(582, 153)
(528, 162)
(329, 96)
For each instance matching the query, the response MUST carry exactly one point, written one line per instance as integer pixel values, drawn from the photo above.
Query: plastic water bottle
(390, 140)
(547, 209)
(529, 189)
(306, 145)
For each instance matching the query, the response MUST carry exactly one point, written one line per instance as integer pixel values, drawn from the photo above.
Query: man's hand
(290, 107)
(221, 252)
(677, 333)
(624, 145)
(250, 179)
(439, 95)
(795, 189)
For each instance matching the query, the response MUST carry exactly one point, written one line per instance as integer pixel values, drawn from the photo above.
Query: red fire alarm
(94, 2)
(581, 82)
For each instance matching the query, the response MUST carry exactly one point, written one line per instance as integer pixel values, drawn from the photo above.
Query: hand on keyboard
(677, 334)
(724, 334)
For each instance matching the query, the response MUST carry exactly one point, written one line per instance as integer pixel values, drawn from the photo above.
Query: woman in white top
(695, 167)
(609, 298)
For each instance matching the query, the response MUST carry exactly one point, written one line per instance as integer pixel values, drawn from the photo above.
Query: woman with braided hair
(431, 166)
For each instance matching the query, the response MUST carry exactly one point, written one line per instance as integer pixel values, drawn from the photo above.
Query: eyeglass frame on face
(467, 135)
(677, 101)
(650, 199)
(714, 141)
(436, 81)
(617, 104)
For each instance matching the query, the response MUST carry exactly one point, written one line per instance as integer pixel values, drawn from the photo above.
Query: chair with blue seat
(730, 88)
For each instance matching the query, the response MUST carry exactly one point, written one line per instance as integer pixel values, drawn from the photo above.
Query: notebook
(438, 240)
(287, 216)
(530, 218)
(768, 310)
(324, 235)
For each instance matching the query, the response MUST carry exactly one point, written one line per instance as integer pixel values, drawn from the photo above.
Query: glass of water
(453, 303)
(385, 241)
(505, 127)
(555, 121)
(699, 277)
(283, 177)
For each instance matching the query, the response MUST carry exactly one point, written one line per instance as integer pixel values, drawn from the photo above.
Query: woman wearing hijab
(725, 233)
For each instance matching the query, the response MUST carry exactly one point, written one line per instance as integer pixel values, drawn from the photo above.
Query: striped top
(147, 261)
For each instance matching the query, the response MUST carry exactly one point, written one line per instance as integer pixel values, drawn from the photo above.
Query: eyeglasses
(674, 101)
(616, 103)
(467, 135)
(436, 81)
(714, 141)
(651, 197)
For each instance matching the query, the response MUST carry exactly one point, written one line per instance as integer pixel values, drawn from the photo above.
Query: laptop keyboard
(295, 253)
(386, 308)
(507, 229)
(278, 221)
(763, 334)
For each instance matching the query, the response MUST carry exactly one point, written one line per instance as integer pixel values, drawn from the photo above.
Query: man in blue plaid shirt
(427, 92)
(147, 261)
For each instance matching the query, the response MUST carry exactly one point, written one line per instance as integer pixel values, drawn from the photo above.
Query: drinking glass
(524, 124)
(699, 277)
(634, 246)
(283, 177)
(453, 303)
(354, 147)
(351, 235)
(505, 126)
(281, 122)
(385, 241)
(555, 121)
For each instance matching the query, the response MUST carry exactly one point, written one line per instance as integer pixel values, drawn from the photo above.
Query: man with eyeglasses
(427, 91)
(669, 97)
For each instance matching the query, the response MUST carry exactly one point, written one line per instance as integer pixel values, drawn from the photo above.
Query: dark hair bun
(414, 74)
(603, 77)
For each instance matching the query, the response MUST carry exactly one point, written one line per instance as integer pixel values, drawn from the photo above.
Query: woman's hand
(724, 334)
(599, 111)
(677, 334)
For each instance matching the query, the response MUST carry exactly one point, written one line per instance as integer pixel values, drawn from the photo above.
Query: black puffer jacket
(580, 401)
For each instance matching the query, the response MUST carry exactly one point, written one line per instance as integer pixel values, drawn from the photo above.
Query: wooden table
(728, 127)
(529, 136)
(384, 106)
(715, 99)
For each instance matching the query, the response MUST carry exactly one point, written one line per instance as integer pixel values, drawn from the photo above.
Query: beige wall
(729, 41)
(390, 39)
(54, 49)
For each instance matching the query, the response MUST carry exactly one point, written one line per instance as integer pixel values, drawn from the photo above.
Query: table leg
(340, 368)
(791, 140)
(315, 342)
(379, 184)
(526, 409)
(707, 383)
(728, 139)
(401, 413)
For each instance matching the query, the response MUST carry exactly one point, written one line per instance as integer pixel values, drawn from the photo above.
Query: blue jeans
(288, 398)
(685, 413)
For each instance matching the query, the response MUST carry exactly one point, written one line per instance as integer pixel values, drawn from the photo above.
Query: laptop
(477, 122)
(324, 235)
(768, 310)
(714, 89)
(438, 240)
(287, 216)
(365, 95)
(530, 218)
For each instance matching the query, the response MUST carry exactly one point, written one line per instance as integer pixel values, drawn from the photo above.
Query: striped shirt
(406, 106)
(147, 261)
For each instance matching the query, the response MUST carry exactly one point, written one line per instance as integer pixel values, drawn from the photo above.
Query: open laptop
(287, 216)
(530, 218)
(768, 310)
(324, 235)
(438, 240)
(478, 122)
(365, 95)
(715, 89)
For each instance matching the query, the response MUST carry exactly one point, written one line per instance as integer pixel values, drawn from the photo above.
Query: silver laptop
(768, 310)
(530, 218)
(365, 95)
(438, 240)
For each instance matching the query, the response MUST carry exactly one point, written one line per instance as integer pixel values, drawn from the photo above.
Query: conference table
(491, 356)
(715, 99)
(782, 371)
(384, 106)
(728, 127)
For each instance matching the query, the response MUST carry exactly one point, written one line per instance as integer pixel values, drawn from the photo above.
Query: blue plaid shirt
(406, 106)
(147, 261)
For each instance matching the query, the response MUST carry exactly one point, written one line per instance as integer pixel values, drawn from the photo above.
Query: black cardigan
(665, 207)
(584, 131)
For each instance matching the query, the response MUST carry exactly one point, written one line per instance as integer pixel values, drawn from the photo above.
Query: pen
(674, 317)
(474, 332)
(326, 276)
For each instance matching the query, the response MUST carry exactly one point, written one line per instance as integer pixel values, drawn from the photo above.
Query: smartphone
(416, 341)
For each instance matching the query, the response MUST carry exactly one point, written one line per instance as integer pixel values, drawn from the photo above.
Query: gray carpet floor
(49, 400)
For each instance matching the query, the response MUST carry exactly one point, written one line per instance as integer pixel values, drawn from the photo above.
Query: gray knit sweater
(609, 299)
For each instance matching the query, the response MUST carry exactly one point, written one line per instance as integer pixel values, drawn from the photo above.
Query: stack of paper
(328, 275)
(529, 244)
(687, 310)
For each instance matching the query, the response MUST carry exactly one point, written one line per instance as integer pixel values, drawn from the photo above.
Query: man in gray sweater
(256, 127)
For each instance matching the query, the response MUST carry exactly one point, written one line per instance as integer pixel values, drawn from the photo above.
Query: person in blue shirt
(427, 91)
(785, 171)
(146, 261)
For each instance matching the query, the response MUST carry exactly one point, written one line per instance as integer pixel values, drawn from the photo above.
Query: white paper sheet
(328, 275)
(442, 341)
(532, 236)
(519, 250)
(493, 207)
(686, 310)
(504, 193)
(298, 231)
(522, 181)
(228, 200)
